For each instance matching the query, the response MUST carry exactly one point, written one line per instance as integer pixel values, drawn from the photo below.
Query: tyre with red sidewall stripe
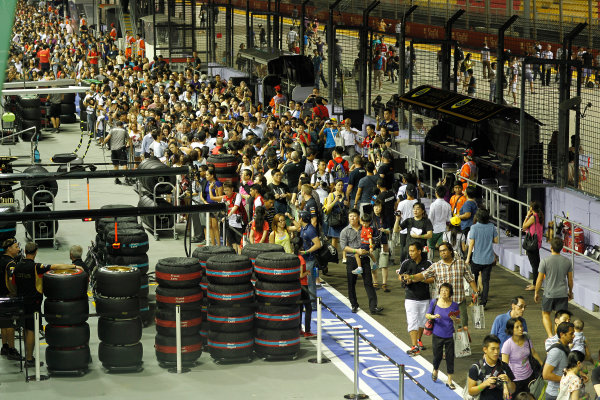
(277, 267)
(277, 317)
(277, 343)
(191, 321)
(178, 272)
(227, 295)
(230, 319)
(284, 293)
(186, 298)
(228, 269)
(166, 350)
(224, 345)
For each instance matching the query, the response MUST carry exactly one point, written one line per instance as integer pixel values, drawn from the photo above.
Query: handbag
(536, 367)
(338, 217)
(537, 388)
(478, 315)
(530, 243)
(428, 329)
(462, 347)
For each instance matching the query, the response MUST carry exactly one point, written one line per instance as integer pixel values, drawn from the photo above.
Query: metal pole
(356, 394)
(36, 318)
(520, 230)
(208, 229)
(319, 332)
(498, 214)
(401, 382)
(573, 243)
(178, 335)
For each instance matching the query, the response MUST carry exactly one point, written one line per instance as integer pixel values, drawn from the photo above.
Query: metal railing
(571, 247)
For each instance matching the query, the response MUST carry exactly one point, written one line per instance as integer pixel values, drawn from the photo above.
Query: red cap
(277, 88)
(468, 153)
(220, 134)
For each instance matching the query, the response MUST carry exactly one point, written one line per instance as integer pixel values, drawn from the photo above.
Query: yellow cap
(455, 221)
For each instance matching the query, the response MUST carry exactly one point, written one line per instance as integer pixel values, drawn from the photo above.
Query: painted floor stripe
(378, 377)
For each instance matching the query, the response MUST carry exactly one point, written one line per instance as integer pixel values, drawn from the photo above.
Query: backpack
(339, 172)
(466, 395)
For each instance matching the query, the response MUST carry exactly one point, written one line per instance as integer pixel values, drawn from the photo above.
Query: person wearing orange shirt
(113, 32)
(44, 57)
(141, 46)
(458, 199)
(278, 99)
(469, 169)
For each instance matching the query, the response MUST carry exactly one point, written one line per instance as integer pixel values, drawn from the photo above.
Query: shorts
(234, 235)
(435, 241)
(378, 73)
(555, 303)
(55, 110)
(29, 320)
(415, 313)
(45, 67)
(6, 323)
(119, 157)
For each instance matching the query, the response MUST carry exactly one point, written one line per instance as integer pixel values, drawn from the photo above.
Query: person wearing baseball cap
(468, 169)
(277, 100)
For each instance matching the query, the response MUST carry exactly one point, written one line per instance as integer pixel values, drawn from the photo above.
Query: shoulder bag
(428, 329)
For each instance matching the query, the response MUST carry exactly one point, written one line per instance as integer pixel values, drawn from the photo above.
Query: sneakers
(385, 288)
(414, 351)
(13, 354)
(420, 345)
(4, 350)
(344, 261)
(117, 181)
(31, 363)
(357, 271)
(308, 335)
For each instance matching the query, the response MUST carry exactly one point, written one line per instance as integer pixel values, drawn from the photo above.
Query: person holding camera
(495, 376)
(417, 296)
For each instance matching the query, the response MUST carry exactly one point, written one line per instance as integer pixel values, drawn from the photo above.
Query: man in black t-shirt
(386, 170)
(356, 174)
(294, 169)
(27, 278)
(416, 299)
(281, 192)
(387, 199)
(310, 204)
(490, 378)
(7, 265)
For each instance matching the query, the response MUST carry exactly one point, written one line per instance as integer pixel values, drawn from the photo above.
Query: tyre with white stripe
(178, 272)
(230, 319)
(283, 293)
(228, 295)
(277, 317)
(277, 267)
(277, 343)
(228, 269)
(224, 345)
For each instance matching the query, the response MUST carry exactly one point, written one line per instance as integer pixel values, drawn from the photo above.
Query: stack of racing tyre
(67, 109)
(230, 308)
(178, 281)
(66, 311)
(7, 229)
(278, 292)
(119, 325)
(30, 115)
(253, 250)
(101, 225)
(151, 188)
(203, 253)
(225, 167)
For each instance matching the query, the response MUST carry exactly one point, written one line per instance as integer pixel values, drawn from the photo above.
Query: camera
(398, 213)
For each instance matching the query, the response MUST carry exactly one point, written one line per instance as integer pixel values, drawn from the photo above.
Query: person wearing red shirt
(93, 58)
(337, 154)
(305, 298)
(302, 135)
(44, 56)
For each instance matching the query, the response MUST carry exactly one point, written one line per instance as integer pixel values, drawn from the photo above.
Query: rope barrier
(383, 354)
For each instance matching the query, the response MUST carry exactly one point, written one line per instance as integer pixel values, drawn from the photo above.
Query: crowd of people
(308, 181)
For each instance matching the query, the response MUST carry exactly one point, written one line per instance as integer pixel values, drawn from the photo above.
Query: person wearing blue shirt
(517, 309)
(468, 210)
(329, 132)
(481, 238)
(310, 244)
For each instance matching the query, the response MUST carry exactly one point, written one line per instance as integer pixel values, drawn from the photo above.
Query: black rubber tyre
(222, 161)
(277, 317)
(67, 335)
(9, 227)
(144, 287)
(133, 242)
(147, 311)
(62, 312)
(112, 356)
(163, 221)
(43, 229)
(31, 187)
(253, 250)
(66, 284)
(120, 332)
(68, 359)
(139, 261)
(203, 253)
(178, 272)
(149, 182)
(204, 286)
(230, 319)
(228, 269)
(204, 333)
(187, 298)
(67, 109)
(68, 119)
(102, 222)
(26, 124)
(32, 114)
(117, 281)
(278, 293)
(191, 321)
(230, 294)
(117, 307)
(165, 346)
(26, 102)
(223, 345)
(277, 343)
(76, 165)
(121, 225)
(68, 98)
(277, 267)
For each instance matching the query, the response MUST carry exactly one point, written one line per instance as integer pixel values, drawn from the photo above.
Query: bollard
(208, 229)
(36, 332)
(320, 359)
(356, 394)
(179, 367)
(401, 383)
